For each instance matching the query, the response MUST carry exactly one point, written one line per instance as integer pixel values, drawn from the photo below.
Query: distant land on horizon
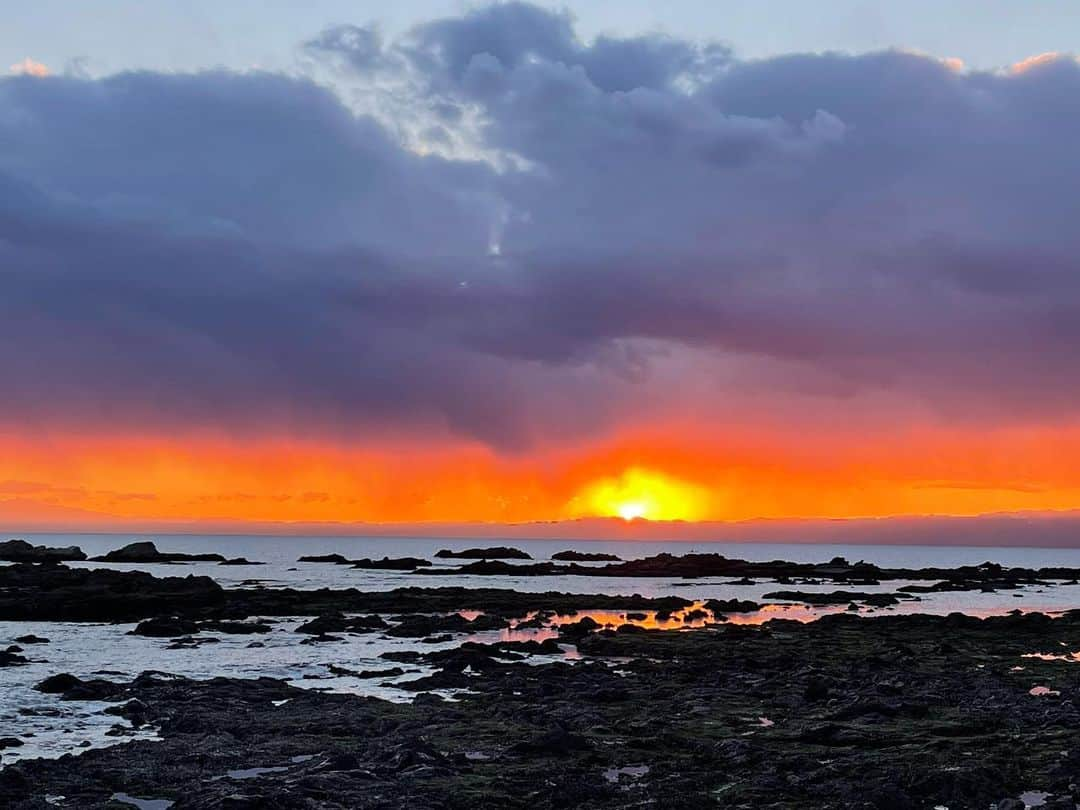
(1019, 529)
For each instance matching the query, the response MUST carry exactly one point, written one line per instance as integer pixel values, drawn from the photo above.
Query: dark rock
(234, 628)
(10, 742)
(486, 621)
(834, 597)
(134, 711)
(488, 568)
(336, 559)
(418, 626)
(57, 593)
(165, 627)
(585, 556)
(20, 551)
(366, 673)
(581, 627)
(338, 623)
(322, 638)
(389, 564)
(11, 658)
(31, 639)
(342, 762)
(95, 689)
(494, 553)
(58, 684)
(240, 561)
(557, 742)
(428, 699)
(190, 642)
(548, 646)
(146, 552)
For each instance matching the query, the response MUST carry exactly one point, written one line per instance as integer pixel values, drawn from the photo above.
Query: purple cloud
(247, 251)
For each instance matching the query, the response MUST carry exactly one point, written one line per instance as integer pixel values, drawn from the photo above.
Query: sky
(340, 263)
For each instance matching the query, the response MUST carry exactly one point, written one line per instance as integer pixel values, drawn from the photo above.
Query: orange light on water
(640, 494)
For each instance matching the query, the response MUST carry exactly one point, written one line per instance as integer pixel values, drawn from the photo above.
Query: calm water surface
(50, 727)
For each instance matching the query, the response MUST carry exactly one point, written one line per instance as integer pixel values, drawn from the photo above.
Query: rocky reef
(987, 577)
(889, 713)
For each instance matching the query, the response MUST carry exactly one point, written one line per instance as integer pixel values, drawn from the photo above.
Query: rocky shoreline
(38, 587)
(846, 712)
(57, 593)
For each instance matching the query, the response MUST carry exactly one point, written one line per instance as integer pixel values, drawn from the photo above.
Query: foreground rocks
(847, 712)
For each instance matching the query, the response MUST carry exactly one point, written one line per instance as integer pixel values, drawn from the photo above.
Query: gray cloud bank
(251, 252)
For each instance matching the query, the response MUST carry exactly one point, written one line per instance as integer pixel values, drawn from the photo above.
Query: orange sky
(681, 473)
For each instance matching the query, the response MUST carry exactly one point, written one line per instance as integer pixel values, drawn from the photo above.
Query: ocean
(108, 651)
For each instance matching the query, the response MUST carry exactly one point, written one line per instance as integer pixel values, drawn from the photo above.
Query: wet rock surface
(846, 712)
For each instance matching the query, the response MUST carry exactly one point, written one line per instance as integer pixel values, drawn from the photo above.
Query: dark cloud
(247, 252)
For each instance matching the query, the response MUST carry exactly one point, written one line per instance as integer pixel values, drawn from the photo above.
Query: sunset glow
(640, 494)
(103, 481)
(510, 270)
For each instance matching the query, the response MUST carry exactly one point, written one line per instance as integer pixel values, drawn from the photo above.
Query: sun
(631, 510)
(641, 494)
